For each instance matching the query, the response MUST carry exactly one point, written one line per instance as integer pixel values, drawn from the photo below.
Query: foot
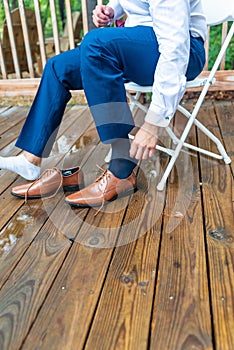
(21, 166)
(50, 182)
(105, 189)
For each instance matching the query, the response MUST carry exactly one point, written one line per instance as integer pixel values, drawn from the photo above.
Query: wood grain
(146, 272)
(217, 190)
(181, 314)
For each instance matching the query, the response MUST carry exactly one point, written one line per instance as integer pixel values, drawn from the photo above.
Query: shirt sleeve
(118, 10)
(171, 26)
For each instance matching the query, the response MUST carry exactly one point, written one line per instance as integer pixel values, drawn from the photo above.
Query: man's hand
(102, 15)
(145, 141)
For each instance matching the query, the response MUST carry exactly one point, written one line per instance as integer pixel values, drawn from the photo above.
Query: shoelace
(47, 171)
(104, 175)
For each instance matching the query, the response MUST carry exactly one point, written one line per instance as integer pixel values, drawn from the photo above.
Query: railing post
(12, 39)
(87, 11)
(26, 38)
(40, 32)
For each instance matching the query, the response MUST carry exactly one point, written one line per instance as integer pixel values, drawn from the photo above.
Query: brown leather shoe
(105, 189)
(49, 183)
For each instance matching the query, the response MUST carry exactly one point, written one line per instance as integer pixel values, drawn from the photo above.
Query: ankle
(32, 158)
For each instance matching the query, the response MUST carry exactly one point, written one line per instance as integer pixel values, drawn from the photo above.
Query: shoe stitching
(103, 176)
(47, 171)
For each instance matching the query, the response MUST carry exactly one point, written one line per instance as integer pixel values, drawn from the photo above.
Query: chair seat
(198, 82)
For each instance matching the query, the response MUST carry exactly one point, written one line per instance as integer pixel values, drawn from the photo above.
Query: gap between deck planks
(181, 317)
(217, 191)
(67, 130)
(72, 296)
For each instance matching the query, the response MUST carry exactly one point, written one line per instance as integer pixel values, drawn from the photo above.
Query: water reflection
(15, 230)
(70, 144)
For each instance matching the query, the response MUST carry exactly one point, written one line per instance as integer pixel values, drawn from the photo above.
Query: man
(161, 44)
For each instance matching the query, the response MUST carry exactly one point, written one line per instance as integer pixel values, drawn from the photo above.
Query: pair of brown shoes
(104, 189)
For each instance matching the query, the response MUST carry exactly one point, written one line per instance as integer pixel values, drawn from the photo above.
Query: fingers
(136, 151)
(102, 15)
(144, 143)
(151, 152)
(139, 152)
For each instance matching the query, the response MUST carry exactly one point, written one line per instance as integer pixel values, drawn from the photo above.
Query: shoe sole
(121, 195)
(65, 189)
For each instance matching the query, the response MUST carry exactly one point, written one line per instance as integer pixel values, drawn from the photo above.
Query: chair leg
(223, 154)
(219, 145)
(108, 156)
(162, 182)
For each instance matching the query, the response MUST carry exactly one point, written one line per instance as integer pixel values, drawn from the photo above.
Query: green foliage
(215, 43)
(45, 13)
(215, 35)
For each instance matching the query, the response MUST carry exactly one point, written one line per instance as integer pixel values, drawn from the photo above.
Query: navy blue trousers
(100, 65)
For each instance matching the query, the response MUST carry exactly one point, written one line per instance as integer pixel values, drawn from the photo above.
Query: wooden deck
(154, 271)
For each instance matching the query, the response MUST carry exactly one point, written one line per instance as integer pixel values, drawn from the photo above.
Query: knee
(91, 38)
(92, 43)
(57, 66)
(50, 64)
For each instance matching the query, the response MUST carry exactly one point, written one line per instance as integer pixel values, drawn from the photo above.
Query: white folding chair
(216, 12)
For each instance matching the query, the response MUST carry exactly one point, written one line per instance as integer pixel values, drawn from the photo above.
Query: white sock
(21, 166)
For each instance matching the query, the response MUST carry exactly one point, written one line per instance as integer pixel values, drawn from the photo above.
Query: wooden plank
(71, 114)
(217, 191)
(34, 277)
(85, 16)
(26, 38)
(10, 121)
(2, 63)
(80, 293)
(224, 81)
(129, 286)
(181, 312)
(26, 222)
(28, 87)
(40, 33)
(206, 46)
(7, 178)
(224, 111)
(70, 24)
(76, 294)
(11, 117)
(27, 287)
(69, 293)
(12, 39)
(11, 134)
(16, 87)
(224, 34)
(3, 109)
(55, 27)
(11, 206)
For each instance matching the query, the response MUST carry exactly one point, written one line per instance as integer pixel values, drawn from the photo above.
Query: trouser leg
(61, 74)
(105, 58)
(108, 56)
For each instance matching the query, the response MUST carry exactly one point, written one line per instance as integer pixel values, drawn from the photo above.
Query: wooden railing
(22, 31)
(224, 76)
(24, 49)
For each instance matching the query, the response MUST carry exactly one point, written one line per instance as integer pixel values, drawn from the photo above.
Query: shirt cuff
(153, 117)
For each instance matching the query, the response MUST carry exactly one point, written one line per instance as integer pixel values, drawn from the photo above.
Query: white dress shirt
(172, 21)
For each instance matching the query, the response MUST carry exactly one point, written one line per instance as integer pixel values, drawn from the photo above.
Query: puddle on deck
(66, 145)
(15, 229)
